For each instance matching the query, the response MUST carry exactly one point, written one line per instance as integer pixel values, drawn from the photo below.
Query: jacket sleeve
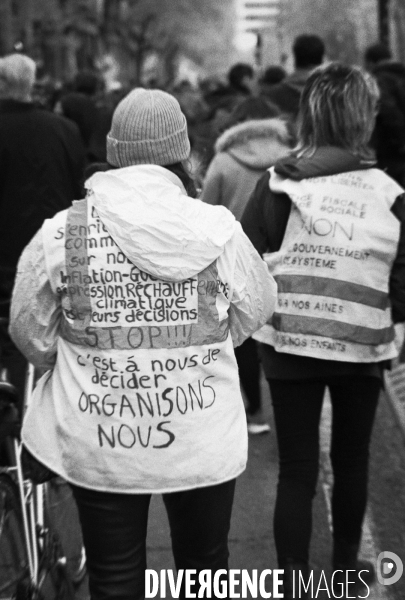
(265, 217)
(254, 292)
(212, 187)
(390, 122)
(397, 279)
(35, 309)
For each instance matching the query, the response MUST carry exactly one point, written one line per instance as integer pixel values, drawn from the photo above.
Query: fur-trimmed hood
(256, 144)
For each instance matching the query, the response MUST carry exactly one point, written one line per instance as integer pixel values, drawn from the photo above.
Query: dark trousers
(297, 410)
(114, 532)
(247, 358)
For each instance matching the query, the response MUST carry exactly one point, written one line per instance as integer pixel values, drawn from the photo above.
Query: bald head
(17, 77)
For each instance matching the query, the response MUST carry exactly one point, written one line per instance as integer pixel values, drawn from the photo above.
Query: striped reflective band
(332, 329)
(334, 288)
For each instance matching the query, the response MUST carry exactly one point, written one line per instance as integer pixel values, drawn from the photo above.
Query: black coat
(389, 134)
(41, 167)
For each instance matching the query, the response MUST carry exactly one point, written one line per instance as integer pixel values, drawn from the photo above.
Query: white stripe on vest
(333, 268)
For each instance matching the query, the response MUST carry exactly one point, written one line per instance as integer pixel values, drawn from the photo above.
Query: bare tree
(65, 35)
(6, 27)
(169, 29)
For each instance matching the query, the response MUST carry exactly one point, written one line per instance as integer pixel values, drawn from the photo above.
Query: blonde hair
(17, 77)
(338, 107)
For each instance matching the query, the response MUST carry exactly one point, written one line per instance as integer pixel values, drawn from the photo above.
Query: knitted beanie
(147, 127)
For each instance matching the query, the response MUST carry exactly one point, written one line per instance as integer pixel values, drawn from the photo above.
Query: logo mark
(389, 568)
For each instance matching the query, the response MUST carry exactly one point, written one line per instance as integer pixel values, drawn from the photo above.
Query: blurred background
(161, 42)
(222, 59)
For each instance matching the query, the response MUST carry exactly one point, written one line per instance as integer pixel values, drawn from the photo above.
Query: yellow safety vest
(333, 268)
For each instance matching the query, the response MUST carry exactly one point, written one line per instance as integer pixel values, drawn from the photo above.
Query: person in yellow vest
(332, 226)
(134, 299)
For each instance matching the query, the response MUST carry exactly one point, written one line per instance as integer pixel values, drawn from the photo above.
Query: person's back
(256, 137)
(41, 162)
(333, 228)
(273, 75)
(389, 133)
(139, 293)
(221, 102)
(82, 110)
(308, 53)
(240, 81)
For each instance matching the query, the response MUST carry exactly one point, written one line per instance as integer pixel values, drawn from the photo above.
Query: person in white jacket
(133, 300)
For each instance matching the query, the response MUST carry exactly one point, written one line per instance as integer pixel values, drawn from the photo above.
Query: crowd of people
(152, 307)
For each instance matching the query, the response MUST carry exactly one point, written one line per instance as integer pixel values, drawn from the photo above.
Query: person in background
(79, 105)
(334, 227)
(87, 83)
(107, 101)
(80, 109)
(255, 139)
(41, 167)
(137, 296)
(308, 51)
(240, 85)
(195, 110)
(389, 133)
(241, 79)
(221, 100)
(271, 76)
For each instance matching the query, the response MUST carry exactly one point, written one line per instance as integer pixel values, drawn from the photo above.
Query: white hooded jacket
(133, 299)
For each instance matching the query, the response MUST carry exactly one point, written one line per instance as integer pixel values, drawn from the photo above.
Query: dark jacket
(389, 134)
(286, 94)
(264, 222)
(82, 110)
(41, 167)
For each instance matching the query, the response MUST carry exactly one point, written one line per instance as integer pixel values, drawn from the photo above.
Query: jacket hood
(325, 161)
(256, 144)
(160, 229)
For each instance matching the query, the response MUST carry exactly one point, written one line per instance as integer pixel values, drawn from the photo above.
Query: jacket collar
(327, 160)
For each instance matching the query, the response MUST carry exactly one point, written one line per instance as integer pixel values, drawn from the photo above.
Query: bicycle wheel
(13, 558)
